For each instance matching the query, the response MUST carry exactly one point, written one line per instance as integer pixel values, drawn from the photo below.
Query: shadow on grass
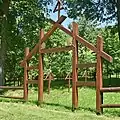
(70, 108)
(12, 100)
(22, 101)
(112, 112)
(58, 105)
(92, 110)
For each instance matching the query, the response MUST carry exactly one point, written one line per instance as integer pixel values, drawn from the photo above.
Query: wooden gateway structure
(98, 49)
(75, 65)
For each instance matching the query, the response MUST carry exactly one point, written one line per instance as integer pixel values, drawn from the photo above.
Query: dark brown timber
(40, 77)
(82, 83)
(62, 49)
(47, 35)
(26, 76)
(86, 65)
(99, 75)
(74, 69)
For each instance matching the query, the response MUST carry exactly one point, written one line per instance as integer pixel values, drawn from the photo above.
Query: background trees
(4, 7)
(97, 10)
(20, 27)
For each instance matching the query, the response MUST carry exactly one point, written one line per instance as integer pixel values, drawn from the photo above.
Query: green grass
(57, 106)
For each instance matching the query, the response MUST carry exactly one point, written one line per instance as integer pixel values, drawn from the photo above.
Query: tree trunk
(3, 39)
(118, 16)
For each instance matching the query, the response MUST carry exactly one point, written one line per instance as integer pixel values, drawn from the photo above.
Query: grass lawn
(57, 106)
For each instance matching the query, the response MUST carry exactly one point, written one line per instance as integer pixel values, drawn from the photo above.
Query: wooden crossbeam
(62, 28)
(50, 50)
(32, 67)
(110, 105)
(110, 89)
(50, 32)
(47, 35)
(86, 65)
(88, 83)
(11, 87)
(106, 56)
(85, 43)
(93, 48)
(59, 9)
(56, 9)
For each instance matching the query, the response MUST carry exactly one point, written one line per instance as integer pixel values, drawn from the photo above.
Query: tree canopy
(96, 10)
(20, 29)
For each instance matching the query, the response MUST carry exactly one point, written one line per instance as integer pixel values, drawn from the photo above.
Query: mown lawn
(57, 106)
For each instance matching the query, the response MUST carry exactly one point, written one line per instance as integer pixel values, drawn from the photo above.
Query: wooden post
(49, 82)
(59, 9)
(69, 77)
(40, 76)
(26, 76)
(74, 68)
(99, 83)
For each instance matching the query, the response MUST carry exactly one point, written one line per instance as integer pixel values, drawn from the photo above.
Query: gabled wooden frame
(60, 7)
(74, 47)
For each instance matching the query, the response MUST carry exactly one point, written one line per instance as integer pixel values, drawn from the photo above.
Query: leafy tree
(20, 27)
(89, 32)
(111, 46)
(4, 6)
(99, 10)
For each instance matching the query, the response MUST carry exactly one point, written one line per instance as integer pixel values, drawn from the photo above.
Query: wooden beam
(110, 106)
(50, 50)
(50, 32)
(86, 65)
(40, 72)
(56, 9)
(63, 29)
(110, 89)
(26, 76)
(59, 5)
(106, 56)
(32, 81)
(103, 54)
(93, 48)
(47, 35)
(32, 67)
(11, 87)
(84, 42)
(74, 69)
(88, 83)
(99, 79)
(80, 39)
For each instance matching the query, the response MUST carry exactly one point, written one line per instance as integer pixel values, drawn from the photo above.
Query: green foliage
(89, 31)
(24, 21)
(93, 9)
(57, 62)
(98, 10)
(111, 46)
